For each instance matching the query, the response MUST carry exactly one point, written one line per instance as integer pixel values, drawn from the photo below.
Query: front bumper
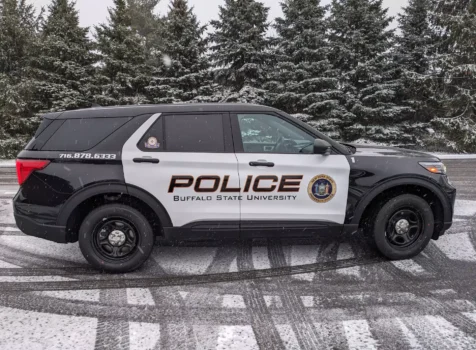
(447, 225)
(49, 232)
(449, 206)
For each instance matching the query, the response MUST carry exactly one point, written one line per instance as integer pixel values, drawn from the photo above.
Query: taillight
(26, 166)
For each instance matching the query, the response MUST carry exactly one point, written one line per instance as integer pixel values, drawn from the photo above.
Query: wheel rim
(115, 239)
(404, 227)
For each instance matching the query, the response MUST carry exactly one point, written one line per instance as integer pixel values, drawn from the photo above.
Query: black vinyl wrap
(372, 174)
(43, 195)
(45, 192)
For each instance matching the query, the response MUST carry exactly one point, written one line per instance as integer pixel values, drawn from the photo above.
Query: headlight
(434, 167)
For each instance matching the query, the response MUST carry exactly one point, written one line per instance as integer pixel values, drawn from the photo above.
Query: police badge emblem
(152, 143)
(322, 188)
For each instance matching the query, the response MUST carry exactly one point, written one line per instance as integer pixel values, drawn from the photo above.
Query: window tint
(43, 134)
(153, 139)
(194, 133)
(82, 134)
(264, 133)
(44, 124)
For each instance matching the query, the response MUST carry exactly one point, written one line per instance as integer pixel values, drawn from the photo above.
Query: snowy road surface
(275, 294)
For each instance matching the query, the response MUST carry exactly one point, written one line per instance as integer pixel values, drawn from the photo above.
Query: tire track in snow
(266, 333)
(112, 333)
(296, 313)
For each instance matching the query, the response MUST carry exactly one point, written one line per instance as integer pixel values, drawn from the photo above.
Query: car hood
(383, 151)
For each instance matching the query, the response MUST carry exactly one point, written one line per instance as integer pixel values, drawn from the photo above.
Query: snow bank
(454, 156)
(7, 163)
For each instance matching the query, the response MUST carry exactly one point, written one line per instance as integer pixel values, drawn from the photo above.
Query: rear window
(80, 134)
(194, 133)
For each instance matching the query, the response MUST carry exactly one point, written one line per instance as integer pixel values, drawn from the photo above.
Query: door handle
(146, 160)
(262, 163)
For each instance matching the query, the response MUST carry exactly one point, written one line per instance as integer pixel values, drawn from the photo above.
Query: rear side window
(47, 128)
(194, 133)
(82, 134)
(44, 124)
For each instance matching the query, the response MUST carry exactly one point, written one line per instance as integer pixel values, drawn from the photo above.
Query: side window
(194, 133)
(43, 134)
(81, 134)
(153, 140)
(265, 133)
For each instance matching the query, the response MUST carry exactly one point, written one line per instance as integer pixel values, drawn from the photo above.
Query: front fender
(426, 183)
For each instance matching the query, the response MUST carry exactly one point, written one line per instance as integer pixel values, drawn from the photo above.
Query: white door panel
(184, 205)
(294, 206)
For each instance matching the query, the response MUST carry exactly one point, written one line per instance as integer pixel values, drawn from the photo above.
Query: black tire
(126, 223)
(391, 242)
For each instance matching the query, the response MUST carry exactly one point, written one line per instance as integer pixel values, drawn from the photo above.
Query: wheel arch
(91, 197)
(435, 197)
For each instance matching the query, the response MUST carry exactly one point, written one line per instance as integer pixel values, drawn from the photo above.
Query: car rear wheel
(116, 238)
(403, 227)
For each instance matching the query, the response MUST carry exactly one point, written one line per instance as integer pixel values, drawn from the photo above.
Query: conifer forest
(342, 68)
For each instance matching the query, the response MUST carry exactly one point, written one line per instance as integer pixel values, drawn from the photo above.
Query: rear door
(283, 182)
(186, 161)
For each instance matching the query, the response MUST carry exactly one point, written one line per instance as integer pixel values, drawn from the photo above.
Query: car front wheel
(116, 238)
(403, 227)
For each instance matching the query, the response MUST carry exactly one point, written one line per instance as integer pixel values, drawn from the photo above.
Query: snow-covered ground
(276, 294)
(49, 301)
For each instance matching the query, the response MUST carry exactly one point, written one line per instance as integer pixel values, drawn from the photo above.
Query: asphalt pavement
(328, 293)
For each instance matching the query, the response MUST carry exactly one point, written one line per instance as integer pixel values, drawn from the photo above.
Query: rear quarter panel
(45, 192)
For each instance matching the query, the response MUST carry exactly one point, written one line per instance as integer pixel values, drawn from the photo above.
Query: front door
(186, 161)
(283, 183)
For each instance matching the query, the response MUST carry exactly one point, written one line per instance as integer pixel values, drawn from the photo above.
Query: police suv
(116, 178)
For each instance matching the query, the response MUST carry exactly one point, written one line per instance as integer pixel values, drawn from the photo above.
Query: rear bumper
(32, 228)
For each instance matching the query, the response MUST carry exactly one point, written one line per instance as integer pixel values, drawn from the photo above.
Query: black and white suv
(115, 178)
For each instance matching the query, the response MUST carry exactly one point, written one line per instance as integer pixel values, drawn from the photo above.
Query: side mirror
(322, 147)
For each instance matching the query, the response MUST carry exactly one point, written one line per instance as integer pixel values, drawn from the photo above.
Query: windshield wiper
(351, 148)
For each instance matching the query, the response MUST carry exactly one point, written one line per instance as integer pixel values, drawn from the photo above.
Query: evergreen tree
(415, 47)
(361, 41)
(148, 26)
(414, 43)
(239, 45)
(123, 72)
(18, 33)
(412, 55)
(183, 72)
(64, 63)
(454, 74)
(303, 79)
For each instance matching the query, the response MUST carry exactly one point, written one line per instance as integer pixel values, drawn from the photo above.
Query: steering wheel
(285, 145)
